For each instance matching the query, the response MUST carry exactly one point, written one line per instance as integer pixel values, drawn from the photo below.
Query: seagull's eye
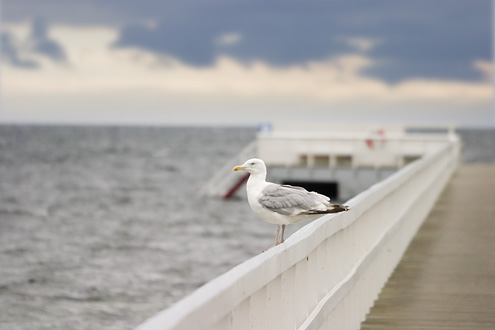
(252, 163)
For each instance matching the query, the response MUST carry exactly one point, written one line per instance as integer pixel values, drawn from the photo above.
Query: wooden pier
(446, 279)
(328, 274)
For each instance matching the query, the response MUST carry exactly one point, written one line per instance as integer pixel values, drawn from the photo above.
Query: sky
(221, 62)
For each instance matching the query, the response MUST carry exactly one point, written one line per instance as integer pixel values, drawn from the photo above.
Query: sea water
(102, 227)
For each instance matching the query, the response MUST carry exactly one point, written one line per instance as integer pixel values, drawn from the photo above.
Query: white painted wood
(288, 299)
(312, 278)
(328, 274)
(240, 317)
(274, 303)
(223, 324)
(258, 309)
(321, 271)
(301, 307)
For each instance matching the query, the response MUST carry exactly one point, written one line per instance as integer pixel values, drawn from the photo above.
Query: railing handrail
(346, 284)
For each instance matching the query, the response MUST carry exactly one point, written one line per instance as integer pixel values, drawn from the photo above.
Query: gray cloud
(42, 44)
(11, 54)
(422, 38)
(38, 43)
(431, 39)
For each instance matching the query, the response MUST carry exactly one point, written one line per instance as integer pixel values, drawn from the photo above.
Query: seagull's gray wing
(290, 200)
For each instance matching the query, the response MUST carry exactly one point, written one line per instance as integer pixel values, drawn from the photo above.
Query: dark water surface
(101, 227)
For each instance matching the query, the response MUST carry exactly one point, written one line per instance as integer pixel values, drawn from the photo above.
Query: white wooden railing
(328, 274)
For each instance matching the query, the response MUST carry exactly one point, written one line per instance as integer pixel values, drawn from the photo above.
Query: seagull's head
(252, 166)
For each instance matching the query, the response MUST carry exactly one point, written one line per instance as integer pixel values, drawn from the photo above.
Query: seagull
(282, 204)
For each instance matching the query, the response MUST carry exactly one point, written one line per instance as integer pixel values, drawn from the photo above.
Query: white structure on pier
(337, 148)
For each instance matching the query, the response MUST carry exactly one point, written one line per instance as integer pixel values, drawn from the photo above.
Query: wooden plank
(274, 303)
(312, 279)
(446, 279)
(257, 309)
(222, 324)
(240, 316)
(301, 308)
(288, 298)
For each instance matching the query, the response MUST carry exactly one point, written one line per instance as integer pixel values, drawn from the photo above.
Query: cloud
(175, 38)
(421, 38)
(28, 45)
(407, 39)
(11, 54)
(228, 39)
(485, 68)
(340, 78)
(362, 44)
(42, 44)
(104, 79)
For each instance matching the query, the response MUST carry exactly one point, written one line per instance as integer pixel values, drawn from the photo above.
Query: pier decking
(446, 279)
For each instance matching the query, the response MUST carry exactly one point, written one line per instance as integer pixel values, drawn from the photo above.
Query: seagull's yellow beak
(238, 168)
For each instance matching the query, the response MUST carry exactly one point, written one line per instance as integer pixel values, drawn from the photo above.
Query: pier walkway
(446, 279)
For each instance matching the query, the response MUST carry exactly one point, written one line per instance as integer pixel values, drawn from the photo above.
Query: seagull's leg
(276, 238)
(283, 229)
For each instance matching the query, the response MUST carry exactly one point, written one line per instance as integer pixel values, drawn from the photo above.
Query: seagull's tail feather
(332, 208)
(336, 208)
